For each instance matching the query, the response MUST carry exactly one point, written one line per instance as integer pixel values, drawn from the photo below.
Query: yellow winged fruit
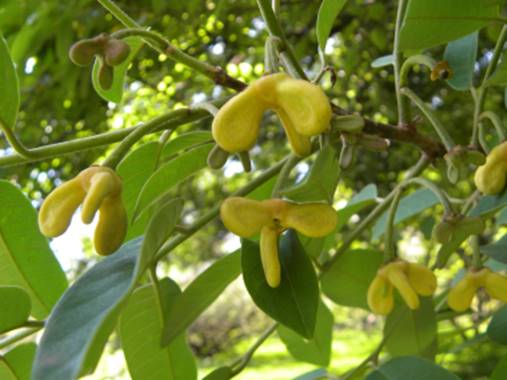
(490, 178)
(411, 280)
(247, 218)
(97, 189)
(302, 107)
(460, 297)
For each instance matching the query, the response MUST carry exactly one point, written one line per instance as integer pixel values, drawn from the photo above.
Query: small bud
(217, 157)
(349, 123)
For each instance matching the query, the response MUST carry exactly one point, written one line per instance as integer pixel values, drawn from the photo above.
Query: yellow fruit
(395, 273)
(496, 285)
(246, 218)
(380, 296)
(243, 216)
(422, 280)
(490, 178)
(302, 107)
(460, 296)
(236, 125)
(311, 219)
(98, 188)
(301, 145)
(306, 105)
(269, 256)
(57, 209)
(111, 227)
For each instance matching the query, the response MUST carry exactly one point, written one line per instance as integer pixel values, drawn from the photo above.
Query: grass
(273, 362)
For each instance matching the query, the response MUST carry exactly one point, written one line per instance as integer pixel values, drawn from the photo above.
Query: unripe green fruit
(116, 52)
(105, 75)
(83, 52)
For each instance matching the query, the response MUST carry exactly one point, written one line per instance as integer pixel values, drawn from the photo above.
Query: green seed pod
(116, 52)
(443, 231)
(105, 75)
(82, 52)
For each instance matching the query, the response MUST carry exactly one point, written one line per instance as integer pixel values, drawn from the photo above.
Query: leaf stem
(22, 335)
(284, 174)
(217, 74)
(482, 90)
(274, 29)
(417, 169)
(398, 57)
(15, 143)
(435, 122)
(245, 359)
(389, 248)
(142, 130)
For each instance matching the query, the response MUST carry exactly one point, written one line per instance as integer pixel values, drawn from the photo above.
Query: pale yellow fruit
(269, 256)
(57, 209)
(422, 280)
(461, 295)
(111, 227)
(496, 286)
(490, 178)
(380, 296)
(311, 219)
(301, 145)
(236, 125)
(306, 105)
(244, 217)
(395, 273)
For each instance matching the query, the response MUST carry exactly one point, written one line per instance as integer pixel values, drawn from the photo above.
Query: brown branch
(405, 134)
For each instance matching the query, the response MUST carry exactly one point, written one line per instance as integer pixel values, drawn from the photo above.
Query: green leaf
(159, 229)
(134, 170)
(366, 197)
(185, 141)
(294, 303)
(115, 93)
(499, 76)
(348, 279)
(328, 11)
(386, 60)
(409, 206)
(221, 373)
(169, 175)
(497, 328)
(25, 257)
(412, 332)
(85, 316)
(488, 205)
(320, 183)
(140, 325)
(500, 371)
(496, 250)
(9, 87)
(409, 367)
(201, 293)
(461, 55)
(316, 350)
(429, 23)
(15, 307)
(19, 360)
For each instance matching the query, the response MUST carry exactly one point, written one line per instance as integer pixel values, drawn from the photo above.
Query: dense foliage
(416, 90)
